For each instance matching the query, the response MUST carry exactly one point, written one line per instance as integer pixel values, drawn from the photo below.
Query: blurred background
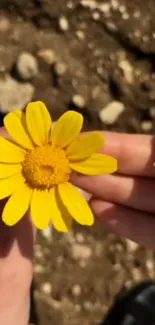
(96, 57)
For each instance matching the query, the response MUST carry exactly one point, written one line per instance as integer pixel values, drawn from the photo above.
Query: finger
(134, 192)
(16, 254)
(137, 226)
(135, 153)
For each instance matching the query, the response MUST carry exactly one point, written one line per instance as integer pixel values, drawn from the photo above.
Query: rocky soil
(96, 57)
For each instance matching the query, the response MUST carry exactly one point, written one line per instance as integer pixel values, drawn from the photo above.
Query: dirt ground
(96, 57)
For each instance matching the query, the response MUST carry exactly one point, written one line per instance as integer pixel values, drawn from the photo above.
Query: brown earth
(102, 51)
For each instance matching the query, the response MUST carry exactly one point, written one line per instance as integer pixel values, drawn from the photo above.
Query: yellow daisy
(35, 169)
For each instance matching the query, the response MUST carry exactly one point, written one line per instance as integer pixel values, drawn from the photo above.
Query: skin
(123, 202)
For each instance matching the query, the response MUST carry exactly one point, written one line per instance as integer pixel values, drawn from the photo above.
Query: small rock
(47, 55)
(70, 5)
(96, 15)
(131, 246)
(137, 275)
(80, 35)
(79, 101)
(150, 265)
(70, 237)
(117, 267)
(146, 126)
(76, 290)
(46, 288)
(4, 24)
(104, 7)
(27, 66)
(87, 305)
(110, 113)
(119, 248)
(79, 238)
(38, 251)
(47, 232)
(127, 69)
(122, 9)
(63, 24)
(152, 112)
(81, 252)
(150, 268)
(14, 94)
(91, 4)
(60, 68)
(111, 26)
(115, 4)
(125, 16)
(39, 269)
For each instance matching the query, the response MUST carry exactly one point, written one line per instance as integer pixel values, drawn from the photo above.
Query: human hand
(125, 202)
(16, 254)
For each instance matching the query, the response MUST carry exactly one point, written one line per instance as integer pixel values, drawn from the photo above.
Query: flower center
(45, 167)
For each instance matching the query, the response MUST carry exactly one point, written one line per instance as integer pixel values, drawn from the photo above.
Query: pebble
(78, 101)
(39, 269)
(146, 126)
(125, 16)
(131, 245)
(76, 290)
(152, 112)
(79, 238)
(150, 268)
(4, 24)
(46, 288)
(80, 35)
(104, 7)
(63, 24)
(81, 252)
(117, 267)
(38, 251)
(137, 274)
(96, 15)
(27, 66)
(14, 94)
(115, 4)
(128, 71)
(91, 4)
(60, 68)
(47, 55)
(110, 113)
(122, 9)
(47, 232)
(87, 305)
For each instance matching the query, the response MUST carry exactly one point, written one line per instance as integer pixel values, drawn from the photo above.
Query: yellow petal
(19, 113)
(40, 208)
(17, 205)
(15, 127)
(61, 219)
(7, 170)
(95, 165)
(38, 122)
(66, 128)
(10, 152)
(10, 184)
(76, 204)
(85, 145)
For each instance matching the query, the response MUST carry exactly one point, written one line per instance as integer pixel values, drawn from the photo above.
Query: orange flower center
(45, 167)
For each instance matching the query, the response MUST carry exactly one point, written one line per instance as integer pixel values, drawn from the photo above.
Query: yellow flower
(35, 169)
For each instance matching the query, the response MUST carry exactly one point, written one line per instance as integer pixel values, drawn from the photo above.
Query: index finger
(135, 152)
